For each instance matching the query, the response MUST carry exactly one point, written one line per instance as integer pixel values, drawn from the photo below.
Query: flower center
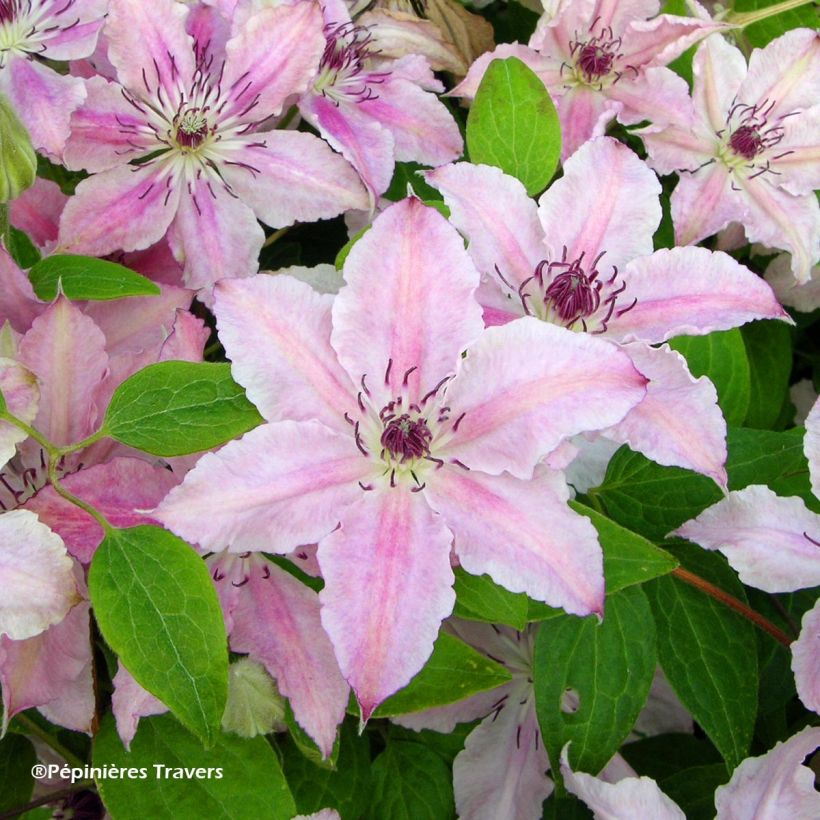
(191, 128)
(750, 135)
(343, 76)
(405, 437)
(8, 10)
(746, 141)
(595, 60)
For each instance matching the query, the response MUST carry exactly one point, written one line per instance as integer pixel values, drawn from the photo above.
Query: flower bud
(18, 162)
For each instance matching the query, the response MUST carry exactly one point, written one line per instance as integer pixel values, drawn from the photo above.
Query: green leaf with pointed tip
(178, 408)
(721, 356)
(237, 778)
(84, 277)
(158, 610)
(769, 350)
(479, 598)
(17, 756)
(708, 651)
(762, 33)
(514, 126)
(607, 666)
(454, 672)
(24, 252)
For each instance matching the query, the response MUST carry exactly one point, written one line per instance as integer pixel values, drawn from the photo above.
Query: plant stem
(276, 235)
(48, 798)
(746, 18)
(5, 415)
(733, 603)
(32, 728)
(77, 502)
(81, 445)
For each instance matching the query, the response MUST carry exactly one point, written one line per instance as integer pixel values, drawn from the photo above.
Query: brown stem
(53, 797)
(733, 603)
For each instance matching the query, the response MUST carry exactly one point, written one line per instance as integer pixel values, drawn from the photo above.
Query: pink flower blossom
(388, 449)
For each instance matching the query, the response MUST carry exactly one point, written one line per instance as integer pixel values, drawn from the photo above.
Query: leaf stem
(276, 235)
(31, 728)
(733, 603)
(81, 445)
(52, 797)
(77, 502)
(5, 415)
(746, 18)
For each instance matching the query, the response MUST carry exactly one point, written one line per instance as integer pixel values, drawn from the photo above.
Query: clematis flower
(388, 449)
(748, 143)
(53, 30)
(582, 260)
(174, 146)
(602, 59)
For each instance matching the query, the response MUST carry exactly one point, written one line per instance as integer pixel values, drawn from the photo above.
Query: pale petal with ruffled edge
(523, 535)
(288, 176)
(775, 785)
(767, 539)
(36, 575)
(276, 621)
(525, 387)
(187, 339)
(803, 297)
(410, 265)
(128, 208)
(719, 68)
(806, 659)
(299, 377)
(811, 446)
(18, 303)
(323, 278)
(500, 221)
(798, 153)
(606, 202)
(36, 212)
(21, 395)
(679, 423)
(584, 113)
(629, 798)
(690, 291)
(388, 586)
(129, 703)
(656, 94)
(279, 486)
(74, 28)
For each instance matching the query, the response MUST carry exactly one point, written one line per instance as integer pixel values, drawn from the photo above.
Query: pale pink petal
(299, 376)
(44, 101)
(127, 208)
(324, 814)
(806, 659)
(215, 235)
(799, 169)
(606, 202)
(423, 129)
(445, 718)
(786, 73)
(765, 537)
(683, 145)
(272, 56)
(811, 446)
(388, 586)
(66, 351)
(279, 486)
(619, 13)
(187, 339)
(527, 386)
(660, 40)
(663, 712)
(719, 69)
(78, 37)
(497, 217)
(656, 94)
(501, 772)
(323, 278)
(148, 45)
(705, 202)
(37, 211)
(18, 303)
(546, 68)
(411, 264)
(803, 297)
(210, 28)
(106, 130)
(276, 621)
(21, 395)
(631, 797)
(690, 291)
(288, 176)
(121, 490)
(129, 703)
(523, 535)
(775, 785)
(585, 113)
(52, 671)
(36, 575)
(678, 423)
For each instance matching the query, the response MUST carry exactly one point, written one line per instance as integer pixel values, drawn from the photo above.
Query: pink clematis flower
(54, 30)
(582, 259)
(388, 449)
(602, 59)
(175, 145)
(748, 140)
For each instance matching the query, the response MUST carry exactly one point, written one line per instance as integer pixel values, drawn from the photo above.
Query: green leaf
(17, 756)
(722, 357)
(628, 557)
(341, 257)
(345, 788)
(84, 277)
(608, 666)
(407, 174)
(662, 755)
(237, 779)
(410, 782)
(455, 671)
(769, 350)
(22, 249)
(479, 598)
(762, 33)
(158, 610)
(708, 651)
(694, 789)
(514, 126)
(177, 408)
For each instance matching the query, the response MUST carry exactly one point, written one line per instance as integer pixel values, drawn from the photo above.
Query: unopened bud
(18, 162)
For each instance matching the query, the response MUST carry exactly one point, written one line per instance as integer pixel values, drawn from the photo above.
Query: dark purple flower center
(9, 9)
(191, 128)
(595, 60)
(746, 141)
(751, 133)
(595, 56)
(406, 437)
(343, 73)
(573, 295)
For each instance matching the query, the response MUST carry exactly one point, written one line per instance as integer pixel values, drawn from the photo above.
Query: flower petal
(806, 659)
(528, 385)
(19, 390)
(129, 703)
(765, 537)
(388, 586)
(546, 68)
(409, 303)
(523, 535)
(811, 446)
(585, 113)
(719, 68)
(279, 486)
(705, 202)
